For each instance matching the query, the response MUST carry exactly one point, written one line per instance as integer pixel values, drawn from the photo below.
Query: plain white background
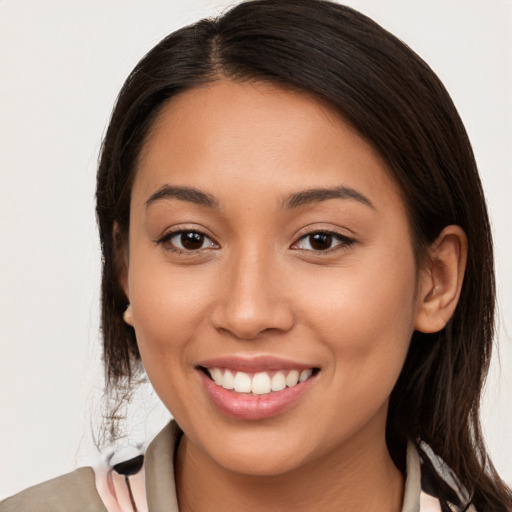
(61, 66)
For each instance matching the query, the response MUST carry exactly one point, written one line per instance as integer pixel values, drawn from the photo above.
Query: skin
(256, 287)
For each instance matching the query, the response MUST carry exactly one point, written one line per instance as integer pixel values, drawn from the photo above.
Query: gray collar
(161, 489)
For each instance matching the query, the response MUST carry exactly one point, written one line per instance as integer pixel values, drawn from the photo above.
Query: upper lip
(254, 364)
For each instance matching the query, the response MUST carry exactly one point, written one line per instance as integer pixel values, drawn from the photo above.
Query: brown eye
(191, 241)
(322, 241)
(187, 241)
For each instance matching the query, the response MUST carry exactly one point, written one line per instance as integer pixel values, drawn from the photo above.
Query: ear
(121, 258)
(128, 315)
(440, 281)
(121, 263)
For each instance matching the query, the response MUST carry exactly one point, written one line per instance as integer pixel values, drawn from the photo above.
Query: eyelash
(166, 240)
(344, 241)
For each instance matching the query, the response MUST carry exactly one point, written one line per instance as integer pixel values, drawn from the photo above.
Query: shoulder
(117, 482)
(74, 491)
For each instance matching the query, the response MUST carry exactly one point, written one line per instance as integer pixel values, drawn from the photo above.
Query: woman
(296, 248)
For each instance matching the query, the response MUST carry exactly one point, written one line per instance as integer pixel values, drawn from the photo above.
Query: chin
(260, 462)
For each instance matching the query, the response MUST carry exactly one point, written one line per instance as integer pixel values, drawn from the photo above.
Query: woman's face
(268, 243)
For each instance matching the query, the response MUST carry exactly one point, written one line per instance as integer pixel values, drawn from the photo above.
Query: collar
(159, 465)
(124, 487)
(161, 489)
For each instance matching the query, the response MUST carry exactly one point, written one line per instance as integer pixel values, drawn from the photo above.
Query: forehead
(258, 137)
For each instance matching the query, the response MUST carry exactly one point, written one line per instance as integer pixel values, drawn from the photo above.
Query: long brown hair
(396, 102)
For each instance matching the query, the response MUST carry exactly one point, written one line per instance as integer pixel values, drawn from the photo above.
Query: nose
(252, 298)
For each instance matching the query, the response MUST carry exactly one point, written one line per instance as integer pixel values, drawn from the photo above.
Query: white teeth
(261, 384)
(242, 383)
(278, 382)
(305, 374)
(292, 378)
(216, 374)
(228, 380)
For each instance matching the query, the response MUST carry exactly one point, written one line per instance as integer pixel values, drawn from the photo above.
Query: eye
(187, 241)
(322, 241)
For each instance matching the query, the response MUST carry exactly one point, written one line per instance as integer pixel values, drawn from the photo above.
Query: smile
(259, 383)
(255, 389)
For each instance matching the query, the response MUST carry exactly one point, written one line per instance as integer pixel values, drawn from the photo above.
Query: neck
(360, 477)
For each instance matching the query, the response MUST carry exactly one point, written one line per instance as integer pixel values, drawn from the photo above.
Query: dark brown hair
(393, 100)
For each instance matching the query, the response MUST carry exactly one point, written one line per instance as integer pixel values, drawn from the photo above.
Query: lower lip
(254, 407)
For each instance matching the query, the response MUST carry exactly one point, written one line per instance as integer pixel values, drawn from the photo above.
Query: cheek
(169, 309)
(366, 317)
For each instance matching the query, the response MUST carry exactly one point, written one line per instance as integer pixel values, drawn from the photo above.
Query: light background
(61, 66)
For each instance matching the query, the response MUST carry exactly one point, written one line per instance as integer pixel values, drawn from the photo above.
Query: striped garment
(123, 493)
(137, 482)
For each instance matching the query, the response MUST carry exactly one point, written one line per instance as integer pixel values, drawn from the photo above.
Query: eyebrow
(296, 200)
(190, 194)
(317, 195)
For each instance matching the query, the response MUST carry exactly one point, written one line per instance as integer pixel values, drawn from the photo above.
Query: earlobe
(121, 268)
(128, 315)
(441, 280)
